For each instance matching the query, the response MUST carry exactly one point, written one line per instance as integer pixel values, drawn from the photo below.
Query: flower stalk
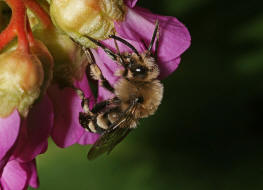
(18, 23)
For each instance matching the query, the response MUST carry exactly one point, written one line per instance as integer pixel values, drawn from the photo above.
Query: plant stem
(18, 24)
(40, 12)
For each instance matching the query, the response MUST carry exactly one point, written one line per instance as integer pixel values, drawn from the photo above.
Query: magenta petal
(37, 129)
(44, 147)
(174, 36)
(88, 138)
(105, 63)
(33, 177)
(104, 94)
(14, 176)
(130, 3)
(67, 105)
(9, 131)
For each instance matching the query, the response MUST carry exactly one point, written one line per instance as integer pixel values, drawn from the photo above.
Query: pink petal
(67, 105)
(104, 94)
(36, 130)
(130, 3)
(174, 36)
(33, 177)
(14, 176)
(9, 130)
(66, 130)
(105, 63)
(88, 138)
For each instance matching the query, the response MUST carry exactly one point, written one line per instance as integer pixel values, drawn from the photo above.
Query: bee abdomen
(103, 121)
(98, 123)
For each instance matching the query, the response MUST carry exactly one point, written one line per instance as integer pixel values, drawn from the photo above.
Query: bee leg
(96, 72)
(106, 50)
(97, 75)
(101, 105)
(85, 117)
(98, 43)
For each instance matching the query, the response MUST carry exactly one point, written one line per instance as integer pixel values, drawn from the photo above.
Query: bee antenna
(126, 43)
(155, 36)
(118, 52)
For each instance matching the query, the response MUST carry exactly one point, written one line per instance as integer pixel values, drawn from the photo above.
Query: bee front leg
(96, 72)
(97, 75)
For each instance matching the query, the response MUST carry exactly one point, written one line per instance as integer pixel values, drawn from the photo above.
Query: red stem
(29, 32)
(7, 35)
(18, 25)
(18, 21)
(40, 12)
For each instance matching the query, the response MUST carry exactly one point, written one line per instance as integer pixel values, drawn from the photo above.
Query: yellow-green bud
(94, 18)
(21, 76)
(47, 62)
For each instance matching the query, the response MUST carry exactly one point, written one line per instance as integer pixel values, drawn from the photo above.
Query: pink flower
(137, 29)
(17, 175)
(67, 105)
(21, 140)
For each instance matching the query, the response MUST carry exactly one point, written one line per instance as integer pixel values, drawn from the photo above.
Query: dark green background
(207, 134)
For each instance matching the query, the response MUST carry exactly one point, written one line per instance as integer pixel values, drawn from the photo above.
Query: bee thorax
(148, 94)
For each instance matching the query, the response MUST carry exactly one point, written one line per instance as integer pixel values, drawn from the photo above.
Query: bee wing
(114, 135)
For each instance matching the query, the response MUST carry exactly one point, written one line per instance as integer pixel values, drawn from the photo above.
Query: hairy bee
(138, 93)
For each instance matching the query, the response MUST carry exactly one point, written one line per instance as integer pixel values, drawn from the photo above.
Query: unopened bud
(21, 76)
(47, 62)
(80, 18)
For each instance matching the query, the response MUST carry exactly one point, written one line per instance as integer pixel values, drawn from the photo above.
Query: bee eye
(138, 70)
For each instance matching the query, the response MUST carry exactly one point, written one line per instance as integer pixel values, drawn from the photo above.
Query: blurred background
(207, 134)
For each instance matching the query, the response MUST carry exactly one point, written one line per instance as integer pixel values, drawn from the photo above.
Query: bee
(137, 94)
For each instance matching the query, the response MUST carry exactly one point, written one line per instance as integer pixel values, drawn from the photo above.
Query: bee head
(140, 68)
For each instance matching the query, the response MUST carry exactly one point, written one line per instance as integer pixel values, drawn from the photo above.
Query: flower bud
(21, 76)
(94, 18)
(69, 62)
(47, 62)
